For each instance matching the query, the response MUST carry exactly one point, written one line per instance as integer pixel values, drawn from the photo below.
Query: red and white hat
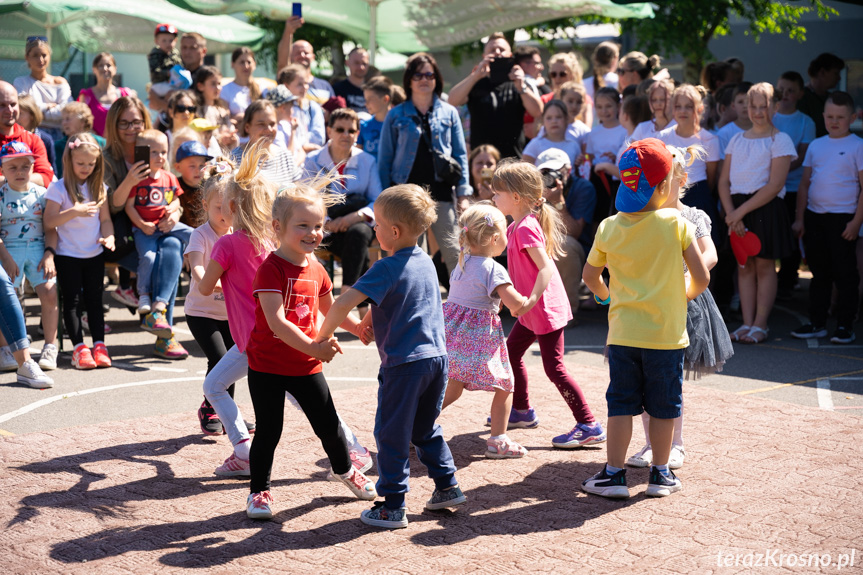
(166, 29)
(15, 149)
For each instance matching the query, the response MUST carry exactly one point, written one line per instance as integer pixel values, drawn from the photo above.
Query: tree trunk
(337, 57)
(692, 66)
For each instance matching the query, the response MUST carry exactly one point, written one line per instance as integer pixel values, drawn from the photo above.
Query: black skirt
(770, 223)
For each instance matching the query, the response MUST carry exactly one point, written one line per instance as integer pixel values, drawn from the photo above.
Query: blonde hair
(179, 138)
(216, 177)
(762, 89)
(570, 61)
(694, 93)
(408, 205)
(525, 180)
(151, 136)
(81, 111)
(478, 226)
(576, 88)
(307, 192)
(95, 182)
(27, 102)
(681, 159)
(251, 196)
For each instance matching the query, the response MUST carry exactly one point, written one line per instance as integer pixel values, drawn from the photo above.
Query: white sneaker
(675, 459)
(258, 505)
(7, 360)
(144, 304)
(48, 358)
(361, 486)
(31, 374)
(641, 459)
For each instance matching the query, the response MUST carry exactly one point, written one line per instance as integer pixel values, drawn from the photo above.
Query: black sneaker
(210, 423)
(809, 331)
(843, 336)
(602, 483)
(661, 485)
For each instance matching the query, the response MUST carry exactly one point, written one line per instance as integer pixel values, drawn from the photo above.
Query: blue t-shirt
(407, 315)
(580, 203)
(801, 129)
(370, 135)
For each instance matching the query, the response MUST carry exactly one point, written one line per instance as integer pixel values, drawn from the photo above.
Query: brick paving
(140, 497)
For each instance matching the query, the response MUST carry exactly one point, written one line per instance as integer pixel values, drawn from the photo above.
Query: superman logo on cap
(629, 176)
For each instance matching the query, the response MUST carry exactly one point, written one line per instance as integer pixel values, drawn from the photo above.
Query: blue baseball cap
(643, 166)
(191, 149)
(15, 149)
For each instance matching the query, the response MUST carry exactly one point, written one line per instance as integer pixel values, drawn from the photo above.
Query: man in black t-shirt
(824, 72)
(351, 89)
(496, 111)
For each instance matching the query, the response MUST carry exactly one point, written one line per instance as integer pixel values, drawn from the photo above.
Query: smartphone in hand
(142, 154)
(297, 9)
(499, 70)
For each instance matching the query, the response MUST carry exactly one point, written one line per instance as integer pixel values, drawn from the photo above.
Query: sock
(500, 437)
(524, 411)
(95, 343)
(663, 469)
(241, 449)
(611, 470)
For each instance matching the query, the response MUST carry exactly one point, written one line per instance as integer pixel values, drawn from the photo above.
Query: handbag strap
(423, 132)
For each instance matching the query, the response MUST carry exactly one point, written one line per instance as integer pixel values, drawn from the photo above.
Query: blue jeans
(147, 247)
(410, 396)
(169, 262)
(645, 380)
(11, 316)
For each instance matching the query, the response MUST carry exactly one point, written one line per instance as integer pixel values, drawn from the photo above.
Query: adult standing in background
(302, 53)
(244, 89)
(496, 111)
(100, 97)
(412, 132)
(604, 60)
(193, 49)
(50, 92)
(824, 73)
(529, 59)
(635, 67)
(10, 130)
(351, 88)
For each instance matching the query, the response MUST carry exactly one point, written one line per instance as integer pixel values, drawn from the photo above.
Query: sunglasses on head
(556, 74)
(350, 131)
(35, 38)
(423, 76)
(181, 109)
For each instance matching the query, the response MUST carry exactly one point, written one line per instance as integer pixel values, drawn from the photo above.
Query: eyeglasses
(37, 38)
(556, 74)
(350, 131)
(182, 109)
(423, 76)
(123, 125)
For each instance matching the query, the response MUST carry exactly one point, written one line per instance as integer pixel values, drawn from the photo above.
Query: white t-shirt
(236, 96)
(697, 172)
(801, 129)
(836, 165)
(725, 134)
(574, 131)
(648, 130)
(79, 237)
(538, 145)
(604, 143)
(212, 306)
(44, 94)
(751, 158)
(611, 80)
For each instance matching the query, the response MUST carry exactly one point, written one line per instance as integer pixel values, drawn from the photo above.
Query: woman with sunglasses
(406, 156)
(51, 93)
(128, 117)
(101, 96)
(351, 225)
(182, 107)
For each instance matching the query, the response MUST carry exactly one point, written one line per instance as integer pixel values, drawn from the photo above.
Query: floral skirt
(476, 348)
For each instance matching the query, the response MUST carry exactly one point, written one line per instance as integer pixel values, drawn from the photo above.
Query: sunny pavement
(761, 476)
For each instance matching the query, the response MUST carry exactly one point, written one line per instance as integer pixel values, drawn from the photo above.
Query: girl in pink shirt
(534, 238)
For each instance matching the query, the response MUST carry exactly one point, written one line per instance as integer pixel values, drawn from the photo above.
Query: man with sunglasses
(10, 131)
(497, 107)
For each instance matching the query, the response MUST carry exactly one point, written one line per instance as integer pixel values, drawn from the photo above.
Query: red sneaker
(100, 355)
(82, 358)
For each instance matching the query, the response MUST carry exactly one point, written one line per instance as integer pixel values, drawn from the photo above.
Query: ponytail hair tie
(464, 229)
(78, 143)
(489, 221)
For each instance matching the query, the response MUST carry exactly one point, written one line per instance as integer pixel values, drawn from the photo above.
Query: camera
(486, 176)
(550, 178)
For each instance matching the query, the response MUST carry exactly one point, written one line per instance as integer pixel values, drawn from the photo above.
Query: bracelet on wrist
(605, 301)
(52, 250)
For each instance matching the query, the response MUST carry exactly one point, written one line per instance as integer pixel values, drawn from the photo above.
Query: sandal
(755, 335)
(740, 332)
(504, 449)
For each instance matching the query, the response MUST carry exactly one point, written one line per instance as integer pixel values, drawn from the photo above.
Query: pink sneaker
(258, 505)
(233, 467)
(360, 460)
(360, 485)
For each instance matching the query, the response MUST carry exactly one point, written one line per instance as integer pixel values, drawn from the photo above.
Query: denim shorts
(645, 380)
(27, 256)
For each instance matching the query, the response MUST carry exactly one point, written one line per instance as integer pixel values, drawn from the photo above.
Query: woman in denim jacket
(404, 155)
(351, 225)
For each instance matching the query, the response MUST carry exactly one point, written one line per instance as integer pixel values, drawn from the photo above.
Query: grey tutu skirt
(709, 344)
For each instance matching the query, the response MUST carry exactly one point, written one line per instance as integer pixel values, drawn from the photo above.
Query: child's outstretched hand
(107, 242)
(365, 331)
(326, 350)
(526, 307)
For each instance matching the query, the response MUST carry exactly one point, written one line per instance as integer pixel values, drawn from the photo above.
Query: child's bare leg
(662, 431)
(454, 388)
(678, 430)
(645, 421)
(746, 286)
(47, 293)
(765, 290)
(619, 435)
(501, 405)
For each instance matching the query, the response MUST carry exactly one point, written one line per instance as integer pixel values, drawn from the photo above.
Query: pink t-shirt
(240, 260)
(212, 306)
(552, 311)
(100, 112)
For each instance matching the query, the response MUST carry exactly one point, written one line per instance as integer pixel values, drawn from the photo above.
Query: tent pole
(373, 25)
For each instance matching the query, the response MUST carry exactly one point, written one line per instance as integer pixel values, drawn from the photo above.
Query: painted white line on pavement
(54, 398)
(812, 343)
(802, 319)
(847, 378)
(351, 378)
(825, 398)
(139, 367)
(181, 330)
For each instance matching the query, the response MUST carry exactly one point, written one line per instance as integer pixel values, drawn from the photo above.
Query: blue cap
(15, 149)
(643, 166)
(191, 149)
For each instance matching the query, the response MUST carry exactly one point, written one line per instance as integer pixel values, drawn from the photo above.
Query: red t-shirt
(152, 195)
(41, 166)
(300, 288)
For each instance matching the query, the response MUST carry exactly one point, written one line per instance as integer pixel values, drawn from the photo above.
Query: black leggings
(214, 337)
(73, 276)
(313, 395)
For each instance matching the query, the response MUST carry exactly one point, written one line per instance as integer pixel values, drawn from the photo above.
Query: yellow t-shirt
(643, 252)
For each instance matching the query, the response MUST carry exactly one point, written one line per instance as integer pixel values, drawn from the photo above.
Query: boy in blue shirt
(378, 95)
(408, 323)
